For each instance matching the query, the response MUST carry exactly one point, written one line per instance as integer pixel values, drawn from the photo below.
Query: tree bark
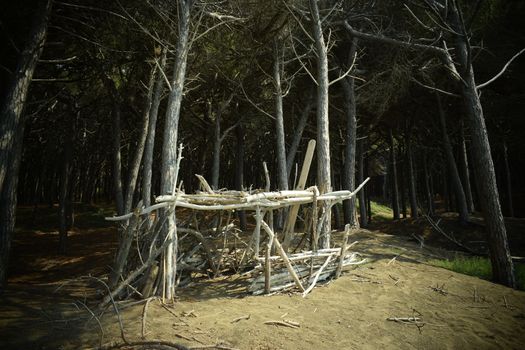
(152, 127)
(169, 146)
(502, 267)
(464, 170)
(323, 130)
(13, 104)
(298, 133)
(11, 130)
(360, 178)
(8, 202)
(508, 182)
(393, 177)
(411, 179)
(453, 169)
(428, 189)
(239, 170)
(282, 177)
(64, 204)
(141, 144)
(116, 156)
(171, 127)
(348, 84)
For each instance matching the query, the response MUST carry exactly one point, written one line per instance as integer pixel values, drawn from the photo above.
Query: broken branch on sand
(246, 317)
(285, 323)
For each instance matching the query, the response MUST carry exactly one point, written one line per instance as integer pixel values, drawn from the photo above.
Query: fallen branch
(150, 343)
(438, 229)
(246, 317)
(284, 323)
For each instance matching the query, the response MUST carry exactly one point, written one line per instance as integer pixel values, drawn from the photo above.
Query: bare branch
(60, 60)
(346, 73)
(502, 70)
(435, 89)
(254, 104)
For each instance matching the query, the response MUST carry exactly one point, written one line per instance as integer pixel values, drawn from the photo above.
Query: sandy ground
(455, 311)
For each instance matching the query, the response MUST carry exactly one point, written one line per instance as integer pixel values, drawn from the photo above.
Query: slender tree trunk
(169, 146)
(393, 177)
(139, 150)
(428, 189)
(464, 170)
(11, 131)
(171, 127)
(402, 183)
(348, 84)
(502, 268)
(152, 127)
(323, 130)
(360, 178)
(508, 181)
(13, 104)
(215, 169)
(116, 156)
(298, 133)
(453, 169)
(8, 202)
(282, 177)
(239, 170)
(64, 205)
(411, 179)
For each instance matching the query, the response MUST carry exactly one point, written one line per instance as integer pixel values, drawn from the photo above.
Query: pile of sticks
(302, 270)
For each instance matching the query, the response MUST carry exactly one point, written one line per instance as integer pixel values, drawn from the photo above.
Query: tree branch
(501, 72)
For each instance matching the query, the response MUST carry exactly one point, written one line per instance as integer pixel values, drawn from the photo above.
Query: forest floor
(454, 311)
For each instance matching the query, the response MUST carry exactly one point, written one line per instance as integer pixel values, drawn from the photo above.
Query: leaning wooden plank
(205, 186)
(281, 252)
(292, 216)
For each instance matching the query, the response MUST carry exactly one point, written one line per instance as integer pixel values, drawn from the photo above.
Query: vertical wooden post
(343, 252)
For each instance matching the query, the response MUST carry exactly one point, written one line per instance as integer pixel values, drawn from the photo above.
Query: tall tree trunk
(502, 268)
(239, 170)
(411, 179)
(8, 202)
(508, 182)
(152, 127)
(282, 177)
(217, 141)
(360, 178)
(464, 170)
(402, 182)
(348, 84)
(64, 197)
(11, 130)
(323, 130)
(393, 176)
(141, 144)
(453, 169)
(428, 189)
(13, 104)
(169, 146)
(215, 168)
(116, 157)
(298, 133)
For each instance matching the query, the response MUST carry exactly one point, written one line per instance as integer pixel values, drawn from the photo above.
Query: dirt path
(455, 311)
